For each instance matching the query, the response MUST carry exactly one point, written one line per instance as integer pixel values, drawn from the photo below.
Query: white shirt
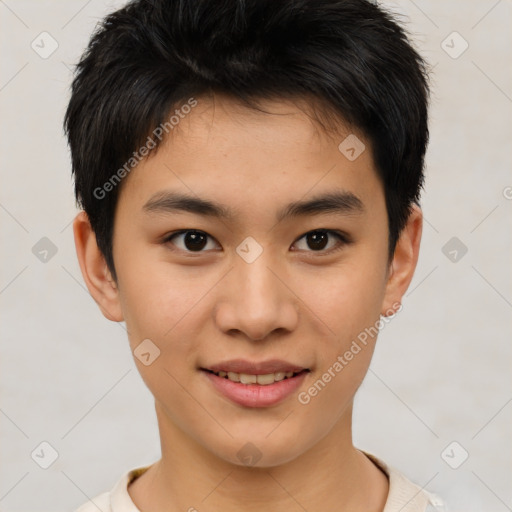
(403, 496)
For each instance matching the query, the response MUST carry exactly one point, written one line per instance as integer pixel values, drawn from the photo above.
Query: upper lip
(255, 368)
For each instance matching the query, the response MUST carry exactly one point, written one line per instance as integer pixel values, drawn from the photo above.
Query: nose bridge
(258, 285)
(256, 302)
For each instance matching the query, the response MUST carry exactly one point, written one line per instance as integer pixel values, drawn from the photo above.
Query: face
(249, 247)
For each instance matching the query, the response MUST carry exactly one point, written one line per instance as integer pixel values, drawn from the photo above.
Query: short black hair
(350, 56)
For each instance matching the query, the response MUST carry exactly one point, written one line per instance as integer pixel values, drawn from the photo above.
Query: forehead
(238, 155)
(310, 115)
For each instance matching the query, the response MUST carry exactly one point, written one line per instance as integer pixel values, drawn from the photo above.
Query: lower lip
(256, 395)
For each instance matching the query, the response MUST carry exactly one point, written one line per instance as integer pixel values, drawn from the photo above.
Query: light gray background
(441, 372)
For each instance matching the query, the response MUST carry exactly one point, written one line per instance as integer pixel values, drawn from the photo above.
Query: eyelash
(343, 240)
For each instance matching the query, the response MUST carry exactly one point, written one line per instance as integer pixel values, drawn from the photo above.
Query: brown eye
(190, 240)
(317, 240)
(320, 239)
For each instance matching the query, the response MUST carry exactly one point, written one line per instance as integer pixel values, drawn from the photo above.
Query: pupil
(194, 240)
(317, 239)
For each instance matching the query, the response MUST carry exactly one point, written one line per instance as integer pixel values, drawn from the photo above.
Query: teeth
(263, 380)
(248, 379)
(235, 377)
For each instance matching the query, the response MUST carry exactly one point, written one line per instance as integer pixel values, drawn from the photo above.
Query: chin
(260, 451)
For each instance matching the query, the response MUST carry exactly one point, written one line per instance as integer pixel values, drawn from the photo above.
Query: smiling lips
(263, 380)
(263, 373)
(256, 384)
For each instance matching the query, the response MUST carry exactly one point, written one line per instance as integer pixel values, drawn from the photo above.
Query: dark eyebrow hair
(340, 202)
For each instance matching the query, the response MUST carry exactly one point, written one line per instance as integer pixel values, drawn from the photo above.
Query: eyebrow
(339, 202)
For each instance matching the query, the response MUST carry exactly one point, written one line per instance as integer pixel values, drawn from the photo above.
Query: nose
(256, 301)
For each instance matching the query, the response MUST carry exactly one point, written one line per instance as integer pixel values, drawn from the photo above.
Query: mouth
(251, 384)
(262, 379)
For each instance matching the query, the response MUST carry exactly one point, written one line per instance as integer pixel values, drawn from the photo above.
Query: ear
(94, 269)
(404, 262)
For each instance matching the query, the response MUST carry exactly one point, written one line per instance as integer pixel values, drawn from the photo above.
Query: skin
(291, 303)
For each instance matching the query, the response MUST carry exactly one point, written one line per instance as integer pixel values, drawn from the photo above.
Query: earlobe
(94, 269)
(404, 262)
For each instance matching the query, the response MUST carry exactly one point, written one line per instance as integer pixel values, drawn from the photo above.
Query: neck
(331, 475)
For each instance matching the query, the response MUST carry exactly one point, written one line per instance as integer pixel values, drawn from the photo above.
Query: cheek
(168, 306)
(348, 306)
(344, 299)
(164, 307)
(157, 296)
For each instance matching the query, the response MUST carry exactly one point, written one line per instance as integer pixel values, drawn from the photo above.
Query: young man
(249, 173)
